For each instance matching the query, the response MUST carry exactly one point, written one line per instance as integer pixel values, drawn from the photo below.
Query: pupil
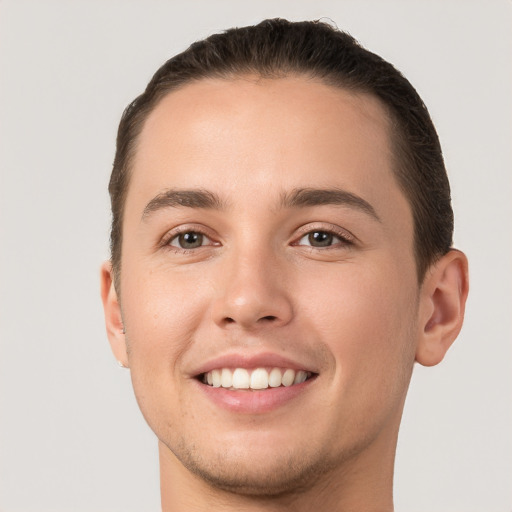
(191, 240)
(320, 239)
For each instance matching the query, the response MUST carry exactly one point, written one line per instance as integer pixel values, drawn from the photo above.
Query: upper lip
(241, 360)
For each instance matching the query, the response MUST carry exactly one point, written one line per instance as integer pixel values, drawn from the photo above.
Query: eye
(321, 238)
(189, 240)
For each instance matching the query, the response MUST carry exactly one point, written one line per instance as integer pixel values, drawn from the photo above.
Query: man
(281, 256)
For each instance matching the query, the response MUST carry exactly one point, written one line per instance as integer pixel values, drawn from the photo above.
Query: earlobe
(444, 293)
(113, 318)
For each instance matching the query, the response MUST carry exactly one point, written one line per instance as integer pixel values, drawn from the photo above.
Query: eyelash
(344, 239)
(175, 234)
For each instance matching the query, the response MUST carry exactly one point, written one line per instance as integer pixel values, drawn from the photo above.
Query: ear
(443, 301)
(113, 318)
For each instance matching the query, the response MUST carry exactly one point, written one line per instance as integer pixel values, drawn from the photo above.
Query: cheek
(159, 297)
(367, 319)
(161, 313)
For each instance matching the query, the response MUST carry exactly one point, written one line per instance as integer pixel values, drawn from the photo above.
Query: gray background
(71, 436)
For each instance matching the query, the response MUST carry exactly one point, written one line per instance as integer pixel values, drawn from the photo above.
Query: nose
(252, 292)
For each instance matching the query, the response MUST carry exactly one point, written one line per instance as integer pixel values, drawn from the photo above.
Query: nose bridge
(252, 290)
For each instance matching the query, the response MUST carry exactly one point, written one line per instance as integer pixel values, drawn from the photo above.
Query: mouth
(255, 383)
(254, 379)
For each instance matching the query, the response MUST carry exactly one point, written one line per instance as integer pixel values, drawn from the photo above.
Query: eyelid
(176, 238)
(342, 233)
(187, 228)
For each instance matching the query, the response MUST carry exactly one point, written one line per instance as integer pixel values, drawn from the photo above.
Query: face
(265, 242)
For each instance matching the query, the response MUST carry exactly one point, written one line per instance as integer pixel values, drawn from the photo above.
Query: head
(278, 48)
(281, 209)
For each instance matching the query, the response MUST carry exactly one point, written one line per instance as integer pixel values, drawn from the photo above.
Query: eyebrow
(173, 198)
(304, 197)
(298, 198)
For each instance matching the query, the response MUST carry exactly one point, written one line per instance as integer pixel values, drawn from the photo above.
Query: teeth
(241, 379)
(215, 378)
(300, 377)
(259, 378)
(274, 378)
(288, 377)
(226, 378)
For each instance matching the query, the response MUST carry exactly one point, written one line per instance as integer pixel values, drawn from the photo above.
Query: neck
(365, 482)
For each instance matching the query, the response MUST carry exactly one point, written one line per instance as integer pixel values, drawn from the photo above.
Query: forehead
(244, 135)
(271, 110)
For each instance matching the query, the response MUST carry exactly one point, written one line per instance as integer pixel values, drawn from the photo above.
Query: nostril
(227, 320)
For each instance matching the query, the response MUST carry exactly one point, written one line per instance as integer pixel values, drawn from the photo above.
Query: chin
(277, 478)
(272, 474)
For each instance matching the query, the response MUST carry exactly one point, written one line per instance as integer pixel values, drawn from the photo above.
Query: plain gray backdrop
(71, 435)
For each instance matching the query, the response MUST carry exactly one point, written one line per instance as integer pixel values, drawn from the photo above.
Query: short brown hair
(278, 48)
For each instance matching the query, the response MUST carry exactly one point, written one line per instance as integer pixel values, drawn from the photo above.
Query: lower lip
(256, 401)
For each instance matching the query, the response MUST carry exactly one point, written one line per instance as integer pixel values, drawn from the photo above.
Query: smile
(254, 379)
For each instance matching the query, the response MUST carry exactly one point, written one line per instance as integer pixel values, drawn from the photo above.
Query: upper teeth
(258, 378)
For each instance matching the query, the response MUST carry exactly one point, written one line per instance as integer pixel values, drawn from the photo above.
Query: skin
(351, 312)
